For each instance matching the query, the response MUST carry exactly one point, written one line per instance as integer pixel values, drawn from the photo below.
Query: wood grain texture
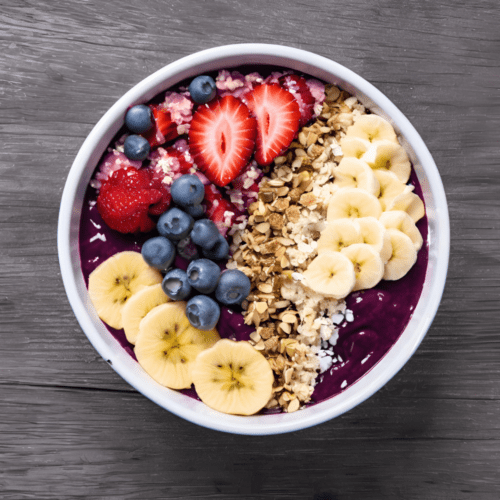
(70, 427)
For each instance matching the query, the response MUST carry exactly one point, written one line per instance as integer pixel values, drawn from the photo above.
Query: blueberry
(202, 89)
(158, 252)
(203, 312)
(136, 148)
(233, 288)
(196, 211)
(139, 119)
(175, 284)
(219, 251)
(205, 233)
(203, 275)
(187, 190)
(175, 224)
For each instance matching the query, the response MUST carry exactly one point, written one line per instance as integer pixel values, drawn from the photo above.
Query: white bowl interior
(226, 57)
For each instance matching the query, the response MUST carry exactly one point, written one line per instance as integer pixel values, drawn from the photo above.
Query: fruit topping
(331, 274)
(203, 275)
(205, 233)
(203, 312)
(233, 288)
(219, 251)
(353, 203)
(297, 86)
(176, 284)
(139, 119)
(196, 211)
(136, 148)
(187, 190)
(112, 161)
(222, 139)
(278, 117)
(219, 210)
(233, 377)
(368, 265)
(136, 308)
(403, 255)
(202, 89)
(175, 224)
(114, 281)
(128, 196)
(167, 345)
(158, 252)
(164, 128)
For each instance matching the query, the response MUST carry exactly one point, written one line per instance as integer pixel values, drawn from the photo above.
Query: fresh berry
(136, 147)
(203, 275)
(205, 233)
(126, 199)
(175, 284)
(222, 138)
(164, 128)
(175, 224)
(297, 86)
(171, 162)
(196, 211)
(158, 252)
(219, 251)
(202, 89)
(219, 210)
(139, 119)
(278, 117)
(203, 312)
(187, 190)
(233, 288)
(164, 203)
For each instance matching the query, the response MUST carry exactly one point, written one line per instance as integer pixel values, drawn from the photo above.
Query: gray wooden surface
(70, 427)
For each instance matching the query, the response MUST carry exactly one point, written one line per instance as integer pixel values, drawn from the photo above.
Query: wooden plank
(72, 428)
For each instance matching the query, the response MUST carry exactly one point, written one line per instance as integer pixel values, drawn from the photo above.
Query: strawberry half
(297, 86)
(222, 138)
(278, 117)
(163, 129)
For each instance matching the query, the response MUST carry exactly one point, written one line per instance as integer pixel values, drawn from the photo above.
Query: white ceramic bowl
(226, 57)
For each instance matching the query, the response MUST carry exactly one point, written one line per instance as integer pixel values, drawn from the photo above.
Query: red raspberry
(128, 197)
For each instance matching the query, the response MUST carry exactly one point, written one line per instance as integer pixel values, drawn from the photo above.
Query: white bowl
(109, 348)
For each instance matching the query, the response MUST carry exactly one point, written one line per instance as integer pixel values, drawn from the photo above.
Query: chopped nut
(263, 227)
(276, 221)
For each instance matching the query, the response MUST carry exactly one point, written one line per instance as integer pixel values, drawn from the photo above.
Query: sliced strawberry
(128, 196)
(163, 129)
(278, 117)
(297, 86)
(222, 138)
(220, 210)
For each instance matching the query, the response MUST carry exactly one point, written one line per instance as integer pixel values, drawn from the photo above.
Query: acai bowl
(359, 335)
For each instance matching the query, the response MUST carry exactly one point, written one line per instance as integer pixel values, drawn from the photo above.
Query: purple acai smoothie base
(381, 314)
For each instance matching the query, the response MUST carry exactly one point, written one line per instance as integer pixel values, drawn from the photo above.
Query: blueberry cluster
(230, 287)
(138, 120)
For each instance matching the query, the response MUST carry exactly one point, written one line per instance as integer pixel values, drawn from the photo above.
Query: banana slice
(368, 265)
(404, 255)
(390, 187)
(167, 345)
(113, 282)
(390, 157)
(372, 128)
(354, 147)
(373, 234)
(397, 219)
(338, 234)
(408, 202)
(355, 173)
(352, 203)
(331, 274)
(138, 306)
(233, 377)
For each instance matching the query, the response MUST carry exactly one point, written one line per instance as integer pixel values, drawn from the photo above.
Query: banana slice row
(371, 233)
(231, 377)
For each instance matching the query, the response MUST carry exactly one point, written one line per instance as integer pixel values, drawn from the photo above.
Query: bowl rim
(195, 411)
